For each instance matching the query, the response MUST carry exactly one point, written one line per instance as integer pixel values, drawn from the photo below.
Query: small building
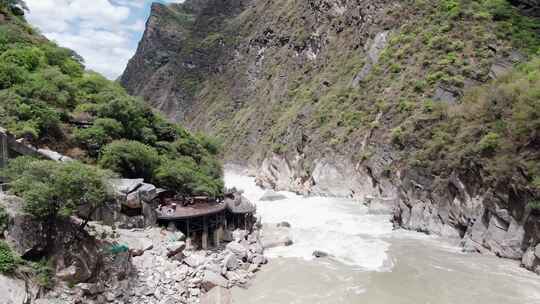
(204, 220)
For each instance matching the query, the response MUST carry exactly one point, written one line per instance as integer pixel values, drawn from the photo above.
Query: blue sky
(104, 32)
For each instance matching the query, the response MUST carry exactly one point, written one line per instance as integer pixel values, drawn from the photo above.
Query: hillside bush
(52, 189)
(184, 175)
(4, 218)
(103, 131)
(131, 159)
(8, 259)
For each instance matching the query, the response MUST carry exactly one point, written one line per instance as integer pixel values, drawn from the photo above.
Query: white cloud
(103, 32)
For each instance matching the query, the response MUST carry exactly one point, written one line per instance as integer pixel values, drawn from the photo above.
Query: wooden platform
(191, 211)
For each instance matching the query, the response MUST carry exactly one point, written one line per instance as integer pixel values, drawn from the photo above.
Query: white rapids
(339, 227)
(370, 262)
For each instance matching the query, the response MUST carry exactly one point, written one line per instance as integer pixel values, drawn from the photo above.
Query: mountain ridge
(425, 105)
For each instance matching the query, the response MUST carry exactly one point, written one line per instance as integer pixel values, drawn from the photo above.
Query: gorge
(275, 151)
(413, 105)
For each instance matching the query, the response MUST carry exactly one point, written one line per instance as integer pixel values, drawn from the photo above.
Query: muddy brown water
(371, 263)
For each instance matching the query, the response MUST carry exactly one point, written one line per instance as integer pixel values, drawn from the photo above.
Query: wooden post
(188, 235)
(219, 230)
(204, 239)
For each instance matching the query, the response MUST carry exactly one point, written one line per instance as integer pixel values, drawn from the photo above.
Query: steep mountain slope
(428, 105)
(49, 100)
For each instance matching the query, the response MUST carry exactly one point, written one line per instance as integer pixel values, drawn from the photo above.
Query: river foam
(339, 227)
(371, 264)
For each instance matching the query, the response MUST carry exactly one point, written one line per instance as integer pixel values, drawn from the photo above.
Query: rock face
(486, 219)
(13, 291)
(313, 97)
(165, 69)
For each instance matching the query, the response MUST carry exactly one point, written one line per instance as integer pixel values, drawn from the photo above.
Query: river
(371, 262)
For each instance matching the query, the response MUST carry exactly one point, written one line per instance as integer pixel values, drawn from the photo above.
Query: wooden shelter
(203, 219)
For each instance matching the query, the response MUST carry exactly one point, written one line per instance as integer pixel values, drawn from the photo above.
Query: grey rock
(25, 235)
(176, 247)
(271, 195)
(238, 249)
(90, 289)
(53, 155)
(319, 254)
(230, 262)
(284, 224)
(194, 261)
(529, 259)
(124, 185)
(13, 291)
(258, 259)
(499, 68)
(68, 274)
(212, 279)
(446, 94)
(374, 49)
(133, 200)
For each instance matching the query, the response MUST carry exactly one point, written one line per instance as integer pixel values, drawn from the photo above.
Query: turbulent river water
(371, 262)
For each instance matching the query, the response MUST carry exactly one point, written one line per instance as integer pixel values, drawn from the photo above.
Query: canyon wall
(407, 104)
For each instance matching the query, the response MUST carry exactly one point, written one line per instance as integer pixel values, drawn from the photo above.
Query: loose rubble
(163, 271)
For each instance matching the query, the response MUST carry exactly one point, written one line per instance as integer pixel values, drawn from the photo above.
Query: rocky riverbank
(163, 271)
(105, 264)
(487, 219)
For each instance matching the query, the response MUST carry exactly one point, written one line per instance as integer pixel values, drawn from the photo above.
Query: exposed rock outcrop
(315, 96)
(13, 291)
(487, 219)
(97, 263)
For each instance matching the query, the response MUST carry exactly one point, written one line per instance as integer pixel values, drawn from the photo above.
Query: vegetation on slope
(47, 98)
(432, 95)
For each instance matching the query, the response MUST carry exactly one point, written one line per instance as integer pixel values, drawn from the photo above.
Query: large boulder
(24, 234)
(230, 262)
(125, 186)
(271, 195)
(12, 291)
(237, 249)
(212, 279)
(276, 237)
(174, 248)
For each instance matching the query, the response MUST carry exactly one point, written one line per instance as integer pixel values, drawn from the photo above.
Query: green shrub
(51, 189)
(536, 182)
(490, 142)
(4, 218)
(72, 68)
(28, 58)
(103, 131)
(43, 273)
(11, 74)
(8, 259)
(184, 175)
(131, 159)
(535, 205)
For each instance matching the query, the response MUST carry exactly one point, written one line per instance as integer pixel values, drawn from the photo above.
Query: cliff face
(401, 103)
(167, 67)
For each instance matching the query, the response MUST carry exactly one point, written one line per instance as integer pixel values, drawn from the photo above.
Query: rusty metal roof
(190, 211)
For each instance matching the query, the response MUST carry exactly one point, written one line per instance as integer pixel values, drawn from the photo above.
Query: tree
(53, 190)
(131, 159)
(184, 176)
